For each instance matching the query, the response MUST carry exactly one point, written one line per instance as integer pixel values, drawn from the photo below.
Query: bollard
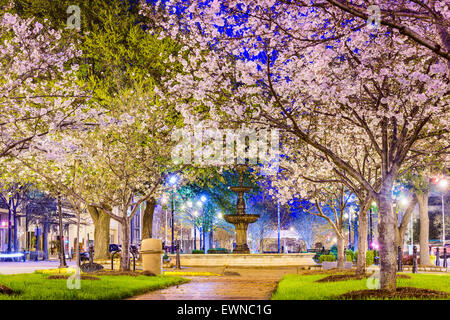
(437, 257)
(444, 263)
(399, 259)
(178, 266)
(414, 267)
(152, 254)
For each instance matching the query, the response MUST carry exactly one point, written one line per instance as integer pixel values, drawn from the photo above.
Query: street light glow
(173, 179)
(199, 203)
(189, 204)
(203, 198)
(404, 201)
(195, 213)
(443, 183)
(219, 214)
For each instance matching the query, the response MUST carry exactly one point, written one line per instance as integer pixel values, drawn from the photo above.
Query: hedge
(217, 250)
(370, 257)
(327, 257)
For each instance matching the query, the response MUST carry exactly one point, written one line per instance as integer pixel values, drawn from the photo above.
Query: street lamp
(349, 217)
(173, 180)
(443, 183)
(195, 214)
(200, 205)
(164, 201)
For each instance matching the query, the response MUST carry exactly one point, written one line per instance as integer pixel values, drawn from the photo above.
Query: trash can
(152, 254)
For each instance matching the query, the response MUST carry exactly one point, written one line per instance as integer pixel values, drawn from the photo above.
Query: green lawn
(304, 287)
(37, 287)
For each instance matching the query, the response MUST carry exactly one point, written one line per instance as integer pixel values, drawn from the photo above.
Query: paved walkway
(234, 284)
(29, 266)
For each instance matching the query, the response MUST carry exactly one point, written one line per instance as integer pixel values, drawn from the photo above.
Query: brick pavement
(235, 283)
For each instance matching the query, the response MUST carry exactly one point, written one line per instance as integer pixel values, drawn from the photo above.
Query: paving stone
(251, 284)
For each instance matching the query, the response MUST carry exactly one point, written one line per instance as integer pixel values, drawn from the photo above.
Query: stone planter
(333, 265)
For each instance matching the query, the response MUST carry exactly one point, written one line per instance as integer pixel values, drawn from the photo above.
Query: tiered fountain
(241, 220)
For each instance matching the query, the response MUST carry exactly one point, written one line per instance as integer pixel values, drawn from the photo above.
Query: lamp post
(164, 201)
(195, 213)
(203, 228)
(278, 224)
(173, 181)
(172, 247)
(443, 183)
(349, 216)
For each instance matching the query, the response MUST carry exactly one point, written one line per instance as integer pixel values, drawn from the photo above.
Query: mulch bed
(343, 277)
(6, 290)
(64, 276)
(352, 276)
(123, 273)
(402, 292)
(231, 273)
(328, 271)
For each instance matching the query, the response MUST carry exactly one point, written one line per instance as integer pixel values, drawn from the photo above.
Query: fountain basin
(241, 218)
(241, 189)
(266, 260)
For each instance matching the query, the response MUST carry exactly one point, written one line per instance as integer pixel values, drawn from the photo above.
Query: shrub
(370, 257)
(333, 251)
(197, 251)
(217, 250)
(350, 255)
(327, 257)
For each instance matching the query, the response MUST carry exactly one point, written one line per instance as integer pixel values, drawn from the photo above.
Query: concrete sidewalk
(29, 266)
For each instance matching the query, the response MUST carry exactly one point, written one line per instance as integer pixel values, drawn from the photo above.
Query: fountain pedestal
(241, 220)
(241, 223)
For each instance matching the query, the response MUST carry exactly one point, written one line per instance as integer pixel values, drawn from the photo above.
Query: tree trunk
(195, 238)
(125, 253)
(44, 240)
(362, 238)
(424, 228)
(340, 252)
(400, 231)
(15, 229)
(77, 248)
(211, 239)
(9, 229)
(386, 238)
(147, 219)
(101, 232)
(62, 256)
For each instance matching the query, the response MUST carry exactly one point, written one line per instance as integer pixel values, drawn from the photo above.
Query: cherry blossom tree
(38, 83)
(325, 80)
